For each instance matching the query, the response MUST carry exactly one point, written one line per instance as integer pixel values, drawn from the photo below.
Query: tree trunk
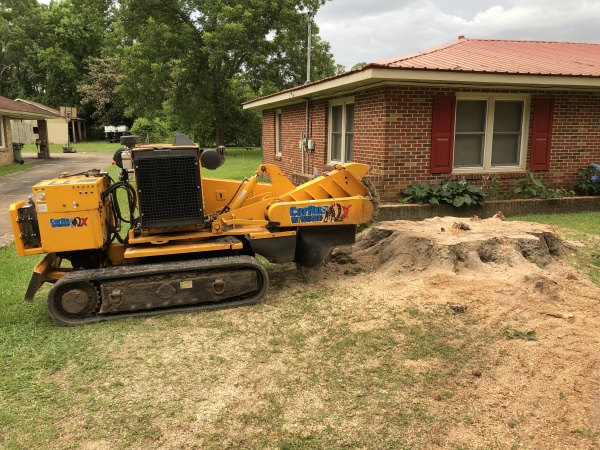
(218, 102)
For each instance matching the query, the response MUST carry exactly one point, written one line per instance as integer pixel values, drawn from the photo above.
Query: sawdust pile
(510, 277)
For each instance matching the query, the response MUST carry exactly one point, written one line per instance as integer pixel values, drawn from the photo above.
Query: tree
(188, 58)
(358, 65)
(100, 93)
(20, 31)
(74, 33)
(47, 47)
(189, 63)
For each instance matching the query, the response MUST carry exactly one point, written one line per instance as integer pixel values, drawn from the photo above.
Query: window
(278, 132)
(341, 131)
(488, 133)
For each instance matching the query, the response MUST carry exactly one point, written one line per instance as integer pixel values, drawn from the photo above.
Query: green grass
(241, 378)
(583, 227)
(82, 147)
(313, 367)
(239, 163)
(237, 154)
(12, 168)
(582, 224)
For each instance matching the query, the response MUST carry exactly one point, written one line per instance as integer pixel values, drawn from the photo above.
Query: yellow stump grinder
(191, 241)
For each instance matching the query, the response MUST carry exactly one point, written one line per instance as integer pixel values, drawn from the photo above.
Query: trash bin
(17, 147)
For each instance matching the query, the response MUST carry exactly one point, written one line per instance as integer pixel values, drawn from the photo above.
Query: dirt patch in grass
(537, 385)
(447, 333)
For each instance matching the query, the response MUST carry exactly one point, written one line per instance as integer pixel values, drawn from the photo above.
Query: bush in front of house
(531, 185)
(589, 184)
(453, 192)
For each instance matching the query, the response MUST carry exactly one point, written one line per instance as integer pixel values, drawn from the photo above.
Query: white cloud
(374, 30)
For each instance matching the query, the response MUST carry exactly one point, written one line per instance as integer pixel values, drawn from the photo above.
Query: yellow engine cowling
(70, 215)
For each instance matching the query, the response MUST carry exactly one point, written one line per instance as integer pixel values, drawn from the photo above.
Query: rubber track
(96, 276)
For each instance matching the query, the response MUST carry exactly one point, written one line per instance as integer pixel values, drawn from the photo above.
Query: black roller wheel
(72, 301)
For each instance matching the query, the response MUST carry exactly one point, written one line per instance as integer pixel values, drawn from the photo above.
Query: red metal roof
(507, 57)
(487, 56)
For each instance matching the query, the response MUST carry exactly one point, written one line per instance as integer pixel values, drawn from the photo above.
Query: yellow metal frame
(336, 199)
(237, 210)
(180, 248)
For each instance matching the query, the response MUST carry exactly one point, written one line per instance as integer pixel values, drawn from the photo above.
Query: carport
(12, 110)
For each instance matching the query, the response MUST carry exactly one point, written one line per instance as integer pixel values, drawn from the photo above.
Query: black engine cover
(168, 186)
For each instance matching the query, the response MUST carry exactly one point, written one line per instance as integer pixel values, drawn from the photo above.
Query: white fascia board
(382, 76)
(558, 82)
(24, 115)
(358, 79)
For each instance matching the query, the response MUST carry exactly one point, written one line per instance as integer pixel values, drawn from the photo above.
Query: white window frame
(489, 132)
(278, 132)
(340, 101)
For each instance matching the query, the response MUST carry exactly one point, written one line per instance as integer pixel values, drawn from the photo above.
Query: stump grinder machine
(191, 240)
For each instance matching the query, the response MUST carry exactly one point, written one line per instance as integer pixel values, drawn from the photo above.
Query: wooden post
(44, 150)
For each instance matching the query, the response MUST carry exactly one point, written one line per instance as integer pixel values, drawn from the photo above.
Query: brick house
(471, 108)
(12, 110)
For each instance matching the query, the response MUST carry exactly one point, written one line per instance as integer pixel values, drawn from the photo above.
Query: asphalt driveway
(17, 186)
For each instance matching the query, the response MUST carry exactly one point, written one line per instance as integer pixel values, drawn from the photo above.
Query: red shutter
(442, 133)
(541, 135)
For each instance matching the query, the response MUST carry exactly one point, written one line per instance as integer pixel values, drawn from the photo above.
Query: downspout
(305, 145)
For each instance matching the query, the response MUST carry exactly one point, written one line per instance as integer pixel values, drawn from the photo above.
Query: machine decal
(75, 222)
(334, 213)
(337, 212)
(309, 214)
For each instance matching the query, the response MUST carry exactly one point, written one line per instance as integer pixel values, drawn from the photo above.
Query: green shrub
(590, 182)
(530, 186)
(456, 192)
(490, 184)
(155, 130)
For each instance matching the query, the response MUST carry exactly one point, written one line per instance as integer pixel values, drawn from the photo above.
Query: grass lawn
(87, 147)
(240, 378)
(12, 168)
(104, 146)
(239, 163)
(583, 227)
(295, 372)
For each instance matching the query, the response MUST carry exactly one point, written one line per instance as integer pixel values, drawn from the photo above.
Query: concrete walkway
(17, 186)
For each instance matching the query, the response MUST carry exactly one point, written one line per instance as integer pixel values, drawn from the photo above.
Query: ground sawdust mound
(509, 276)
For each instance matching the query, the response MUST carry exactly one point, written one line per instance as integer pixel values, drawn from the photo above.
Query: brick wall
(392, 133)
(6, 152)
(506, 207)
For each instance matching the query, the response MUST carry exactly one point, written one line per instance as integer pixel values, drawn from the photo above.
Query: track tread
(96, 276)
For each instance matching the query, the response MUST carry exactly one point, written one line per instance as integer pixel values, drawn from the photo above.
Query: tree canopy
(188, 63)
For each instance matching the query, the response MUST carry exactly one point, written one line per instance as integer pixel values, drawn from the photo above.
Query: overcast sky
(371, 30)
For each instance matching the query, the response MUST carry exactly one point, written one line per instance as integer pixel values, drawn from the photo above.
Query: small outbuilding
(13, 110)
(64, 126)
(472, 108)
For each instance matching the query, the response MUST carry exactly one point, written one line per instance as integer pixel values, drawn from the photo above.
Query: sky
(373, 30)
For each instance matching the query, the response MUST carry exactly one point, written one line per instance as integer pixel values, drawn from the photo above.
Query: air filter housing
(168, 186)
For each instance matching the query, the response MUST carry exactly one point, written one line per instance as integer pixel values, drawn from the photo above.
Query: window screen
(469, 139)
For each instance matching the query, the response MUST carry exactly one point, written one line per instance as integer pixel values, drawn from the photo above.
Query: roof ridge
(421, 53)
(462, 40)
(532, 41)
(39, 105)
